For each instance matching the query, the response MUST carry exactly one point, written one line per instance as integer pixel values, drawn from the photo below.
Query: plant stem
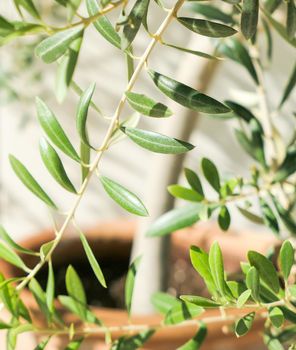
(112, 127)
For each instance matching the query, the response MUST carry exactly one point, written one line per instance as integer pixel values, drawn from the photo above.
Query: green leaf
(272, 343)
(269, 218)
(174, 220)
(163, 302)
(249, 18)
(53, 130)
(45, 249)
(133, 24)
(237, 52)
(288, 166)
(10, 256)
(28, 180)
(291, 19)
(240, 111)
(276, 317)
(102, 24)
(244, 324)
(253, 283)
(251, 216)
(211, 12)
(6, 237)
(29, 6)
(187, 96)
(93, 261)
(224, 218)
(76, 291)
(211, 173)
(157, 142)
(50, 288)
(74, 344)
(118, 134)
(130, 283)
(285, 216)
(243, 298)
(279, 28)
(72, 6)
(147, 106)
(207, 28)
(200, 301)
(184, 193)
(289, 87)
(181, 312)
(133, 342)
(82, 111)
(192, 52)
(66, 68)
(286, 258)
(40, 298)
(194, 181)
(196, 342)
(85, 159)
(50, 49)
(42, 345)
(54, 165)
(267, 271)
(123, 197)
(200, 261)
(217, 267)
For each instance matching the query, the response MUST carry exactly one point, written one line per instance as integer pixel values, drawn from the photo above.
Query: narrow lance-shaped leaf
(211, 12)
(289, 87)
(184, 193)
(72, 6)
(29, 6)
(288, 167)
(251, 216)
(50, 288)
(200, 261)
(244, 324)
(187, 96)
(85, 159)
(123, 197)
(53, 130)
(285, 216)
(253, 282)
(10, 256)
(102, 24)
(196, 342)
(269, 217)
(42, 345)
(76, 291)
(7, 238)
(200, 301)
(267, 271)
(28, 180)
(40, 298)
(156, 142)
(291, 19)
(192, 52)
(194, 181)
(92, 260)
(147, 106)
(286, 258)
(130, 283)
(74, 344)
(249, 18)
(211, 173)
(82, 112)
(133, 24)
(50, 49)
(243, 298)
(174, 220)
(207, 28)
(66, 68)
(181, 312)
(217, 268)
(54, 165)
(236, 51)
(163, 302)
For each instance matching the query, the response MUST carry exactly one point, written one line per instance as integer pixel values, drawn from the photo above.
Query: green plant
(266, 289)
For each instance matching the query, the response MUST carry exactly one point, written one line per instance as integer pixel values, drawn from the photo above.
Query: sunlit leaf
(184, 193)
(163, 302)
(10, 256)
(28, 180)
(187, 96)
(196, 342)
(286, 258)
(53, 47)
(54, 165)
(181, 312)
(207, 28)
(253, 282)
(7, 238)
(123, 197)
(200, 301)
(243, 298)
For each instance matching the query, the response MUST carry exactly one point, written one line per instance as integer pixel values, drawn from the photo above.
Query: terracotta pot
(114, 240)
